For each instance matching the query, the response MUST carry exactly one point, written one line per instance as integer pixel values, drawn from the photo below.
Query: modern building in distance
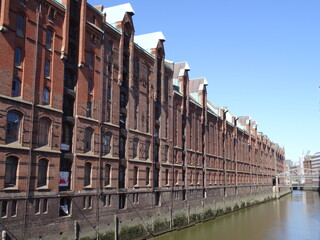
(99, 130)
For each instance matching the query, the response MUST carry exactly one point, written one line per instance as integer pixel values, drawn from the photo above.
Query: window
(166, 153)
(68, 104)
(135, 148)
(90, 86)
(87, 174)
(122, 176)
(44, 130)
(197, 178)
(46, 96)
(42, 172)
(4, 208)
(65, 174)
(69, 79)
(107, 143)
(47, 68)
(135, 176)
(67, 136)
(191, 177)
(13, 208)
(88, 140)
(17, 57)
(11, 172)
(176, 174)
(167, 177)
(110, 49)
(13, 127)
(107, 175)
(122, 201)
(51, 15)
(20, 26)
(122, 147)
(147, 150)
(48, 39)
(16, 87)
(147, 176)
(89, 109)
(45, 205)
(65, 204)
(37, 206)
(90, 61)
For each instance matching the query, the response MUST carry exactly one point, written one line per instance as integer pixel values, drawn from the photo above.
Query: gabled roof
(116, 14)
(149, 41)
(197, 84)
(180, 68)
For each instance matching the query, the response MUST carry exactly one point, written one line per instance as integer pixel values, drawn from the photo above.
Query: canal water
(293, 217)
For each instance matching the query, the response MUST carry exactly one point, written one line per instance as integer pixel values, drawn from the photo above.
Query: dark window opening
(65, 207)
(42, 172)
(87, 174)
(122, 175)
(65, 174)
(16, 87)
(68, 105)
(122, 201)
(10, 179)
(4, 208)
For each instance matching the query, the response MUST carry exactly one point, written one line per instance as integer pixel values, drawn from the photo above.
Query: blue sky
(260, 57)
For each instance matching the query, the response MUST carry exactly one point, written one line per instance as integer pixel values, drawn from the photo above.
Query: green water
(293, 217)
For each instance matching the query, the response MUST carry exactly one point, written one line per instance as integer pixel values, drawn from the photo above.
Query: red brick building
(96, 122)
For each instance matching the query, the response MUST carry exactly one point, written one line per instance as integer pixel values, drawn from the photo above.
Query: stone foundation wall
(148, 220)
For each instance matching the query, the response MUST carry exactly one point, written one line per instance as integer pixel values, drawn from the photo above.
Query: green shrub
(160, 225)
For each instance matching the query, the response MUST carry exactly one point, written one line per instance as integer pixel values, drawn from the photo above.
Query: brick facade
(127, 129)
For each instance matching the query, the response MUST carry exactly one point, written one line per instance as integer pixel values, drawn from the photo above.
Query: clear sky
(260, 57)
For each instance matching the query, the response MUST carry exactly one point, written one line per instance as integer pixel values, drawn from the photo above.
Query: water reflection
(293, 217)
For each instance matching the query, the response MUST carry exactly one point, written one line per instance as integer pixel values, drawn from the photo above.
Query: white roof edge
(116, 13)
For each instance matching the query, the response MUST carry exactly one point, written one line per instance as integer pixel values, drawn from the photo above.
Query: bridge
(302, 179)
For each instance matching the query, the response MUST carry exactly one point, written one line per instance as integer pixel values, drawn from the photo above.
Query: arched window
(88, 140)
(48, 39)
(107, 143)
(46, 96)
(135, 148)
(87, 174)
(16, 87)
(107, 175)
(10, 179)
(147, 176)
(44, 130)
(13, 127)
(42, 172)
(135, 176)
(147, 149)
(17, 57)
